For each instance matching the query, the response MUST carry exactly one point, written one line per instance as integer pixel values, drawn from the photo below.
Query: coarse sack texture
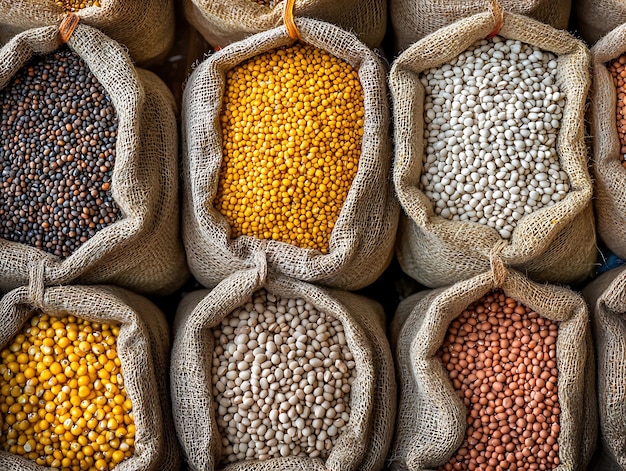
(595, 18)
(223, 22)
(362, 241)
(142, 346)
(606, 297)
(364, 442)
(554, 244)
(143, 250)
(144, 27)
(431, 419)
(414, 19)
(609, 174)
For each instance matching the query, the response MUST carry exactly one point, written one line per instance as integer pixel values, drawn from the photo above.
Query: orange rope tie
(67, 27)
(498, 16)
(290, 23)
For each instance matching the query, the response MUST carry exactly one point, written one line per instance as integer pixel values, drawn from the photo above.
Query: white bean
(501, 101)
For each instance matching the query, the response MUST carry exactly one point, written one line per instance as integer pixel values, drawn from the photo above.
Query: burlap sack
(362, 240)
(145, 27)
(143, 347)
(223, 22)
(595, 18)
(363, 444)
(606, 297)
(143, 250)
(414, 19)
(431, 420)
(609, 175)
(554, 244)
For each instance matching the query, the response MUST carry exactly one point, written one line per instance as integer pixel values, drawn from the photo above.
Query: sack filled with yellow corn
(286, 152)
(83, 381)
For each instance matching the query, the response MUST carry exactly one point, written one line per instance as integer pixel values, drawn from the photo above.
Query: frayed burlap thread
(606, 296)
(364, 442)
(431, 419)
(362, 241)
(145, 27)
(609, 174)
(143, 348)
(222, 22)
(143, 250)
(412, 20)
(554, 244)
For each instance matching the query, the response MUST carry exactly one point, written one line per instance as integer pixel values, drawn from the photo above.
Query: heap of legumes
(292, 124)
(58, 131)
(492, 116)
(281, 379)
(62, 398)
(501, 359)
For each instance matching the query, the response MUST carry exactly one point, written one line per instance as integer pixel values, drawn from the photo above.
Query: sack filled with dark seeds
(88, 165)
(145, 27)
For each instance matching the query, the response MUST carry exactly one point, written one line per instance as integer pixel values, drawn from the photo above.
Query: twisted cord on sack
(498, 16)
(290, 22)
(36, 282)
(498, 269)
(68, 26)
(260, 262)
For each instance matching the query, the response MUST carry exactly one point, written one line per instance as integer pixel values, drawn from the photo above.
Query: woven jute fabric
(142, 347)
(143, 250)
(362, 241)
(606, 297)
(431, 419)
(595, 18)
(554, 244)
(144, 27)
(414, 19)
(365, 440)
(223, 22)
(609, 175)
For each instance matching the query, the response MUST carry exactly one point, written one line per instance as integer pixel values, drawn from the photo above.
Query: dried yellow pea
(292, 125)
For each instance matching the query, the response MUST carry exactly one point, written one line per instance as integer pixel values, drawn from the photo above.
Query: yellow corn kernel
(49, 410)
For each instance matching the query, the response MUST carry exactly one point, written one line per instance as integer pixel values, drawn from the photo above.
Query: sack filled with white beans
(490, 158)
(276, 374)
